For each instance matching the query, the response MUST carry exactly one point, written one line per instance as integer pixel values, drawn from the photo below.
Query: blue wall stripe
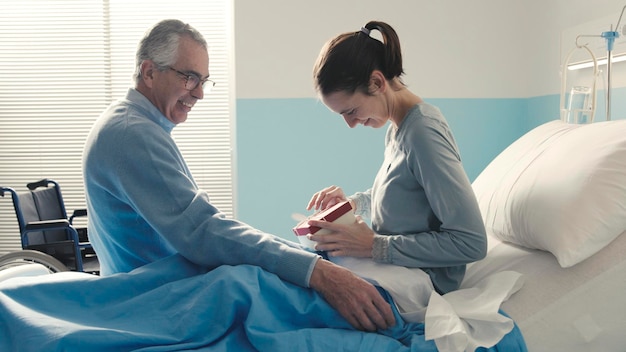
(287, 149)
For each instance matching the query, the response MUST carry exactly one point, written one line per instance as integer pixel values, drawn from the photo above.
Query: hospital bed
(554, 205)
(175, 305)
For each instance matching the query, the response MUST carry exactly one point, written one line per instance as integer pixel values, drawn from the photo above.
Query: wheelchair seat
(45, 227)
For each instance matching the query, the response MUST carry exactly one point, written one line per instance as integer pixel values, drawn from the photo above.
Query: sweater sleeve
(362, 202)
(142, 170)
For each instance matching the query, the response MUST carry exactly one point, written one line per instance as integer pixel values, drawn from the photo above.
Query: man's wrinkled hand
(358, 301)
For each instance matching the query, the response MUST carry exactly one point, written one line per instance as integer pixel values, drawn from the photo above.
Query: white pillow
(560, 188)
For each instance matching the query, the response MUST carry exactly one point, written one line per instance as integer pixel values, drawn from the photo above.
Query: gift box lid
(331, 214)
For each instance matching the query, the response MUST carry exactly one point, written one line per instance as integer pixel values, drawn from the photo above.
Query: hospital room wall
(491, 66)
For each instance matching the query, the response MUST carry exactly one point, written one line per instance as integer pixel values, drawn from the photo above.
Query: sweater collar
(152, 112)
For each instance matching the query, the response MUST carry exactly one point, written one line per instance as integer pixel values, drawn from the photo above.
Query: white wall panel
(452, 49)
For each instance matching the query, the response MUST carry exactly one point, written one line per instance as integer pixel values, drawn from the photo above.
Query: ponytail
(393, 55)
(347, 61)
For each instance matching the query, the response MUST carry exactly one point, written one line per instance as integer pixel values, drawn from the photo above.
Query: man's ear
(377, 83)
(147, 69)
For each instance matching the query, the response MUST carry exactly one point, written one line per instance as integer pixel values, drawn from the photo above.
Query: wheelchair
(48, 236)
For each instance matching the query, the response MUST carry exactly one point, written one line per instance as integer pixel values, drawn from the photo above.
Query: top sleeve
(362, 202)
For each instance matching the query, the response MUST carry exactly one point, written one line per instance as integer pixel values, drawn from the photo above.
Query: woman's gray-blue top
(421, 205)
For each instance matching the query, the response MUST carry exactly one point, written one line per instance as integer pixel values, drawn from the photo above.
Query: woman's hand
(353, 240)
(326, 198)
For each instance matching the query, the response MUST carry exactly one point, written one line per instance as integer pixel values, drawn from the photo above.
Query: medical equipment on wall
(581, 104)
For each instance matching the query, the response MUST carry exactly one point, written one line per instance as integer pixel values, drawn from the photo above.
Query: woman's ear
(377, 83)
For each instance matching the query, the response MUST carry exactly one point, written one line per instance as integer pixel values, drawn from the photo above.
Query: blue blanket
(174, 305)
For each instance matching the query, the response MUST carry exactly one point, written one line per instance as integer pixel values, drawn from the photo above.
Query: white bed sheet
(580, 308)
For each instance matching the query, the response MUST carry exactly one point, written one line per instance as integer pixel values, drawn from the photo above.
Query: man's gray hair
(160, 44)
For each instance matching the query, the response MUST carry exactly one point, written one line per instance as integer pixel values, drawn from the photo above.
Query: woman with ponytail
(421, 206)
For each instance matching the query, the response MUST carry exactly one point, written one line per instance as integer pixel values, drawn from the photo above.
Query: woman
(423, 211)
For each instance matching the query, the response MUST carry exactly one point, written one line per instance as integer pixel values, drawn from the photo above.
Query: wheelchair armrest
(78, 213)
(47, 225)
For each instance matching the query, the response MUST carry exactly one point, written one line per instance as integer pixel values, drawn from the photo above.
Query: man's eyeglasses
(192, 81)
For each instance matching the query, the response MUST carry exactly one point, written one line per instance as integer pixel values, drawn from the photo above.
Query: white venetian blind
(63, 62)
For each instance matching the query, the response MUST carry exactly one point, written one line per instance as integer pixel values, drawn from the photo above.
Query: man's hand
(354, 298)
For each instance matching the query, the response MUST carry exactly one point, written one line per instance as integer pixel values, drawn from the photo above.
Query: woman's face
(358, 108)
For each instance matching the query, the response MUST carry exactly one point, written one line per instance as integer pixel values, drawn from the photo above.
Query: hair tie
(365, 31)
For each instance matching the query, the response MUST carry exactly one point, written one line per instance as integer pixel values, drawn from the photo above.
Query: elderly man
(144, 204)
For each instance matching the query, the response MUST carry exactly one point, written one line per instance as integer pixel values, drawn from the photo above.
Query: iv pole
(610, 37)
(610, 41)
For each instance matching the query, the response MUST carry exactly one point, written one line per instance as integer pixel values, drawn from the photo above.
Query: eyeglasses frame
(189, 75)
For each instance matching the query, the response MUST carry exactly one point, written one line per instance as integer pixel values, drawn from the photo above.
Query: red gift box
(341, 212)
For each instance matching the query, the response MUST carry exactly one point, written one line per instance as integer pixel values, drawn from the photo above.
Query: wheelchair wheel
(30, 256)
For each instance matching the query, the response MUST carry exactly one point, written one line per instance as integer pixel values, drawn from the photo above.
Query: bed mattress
(580, 308)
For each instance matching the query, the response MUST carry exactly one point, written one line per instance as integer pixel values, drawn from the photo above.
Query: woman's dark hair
(347, 61)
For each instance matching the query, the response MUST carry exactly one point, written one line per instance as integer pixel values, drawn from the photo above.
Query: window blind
(63, 62)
